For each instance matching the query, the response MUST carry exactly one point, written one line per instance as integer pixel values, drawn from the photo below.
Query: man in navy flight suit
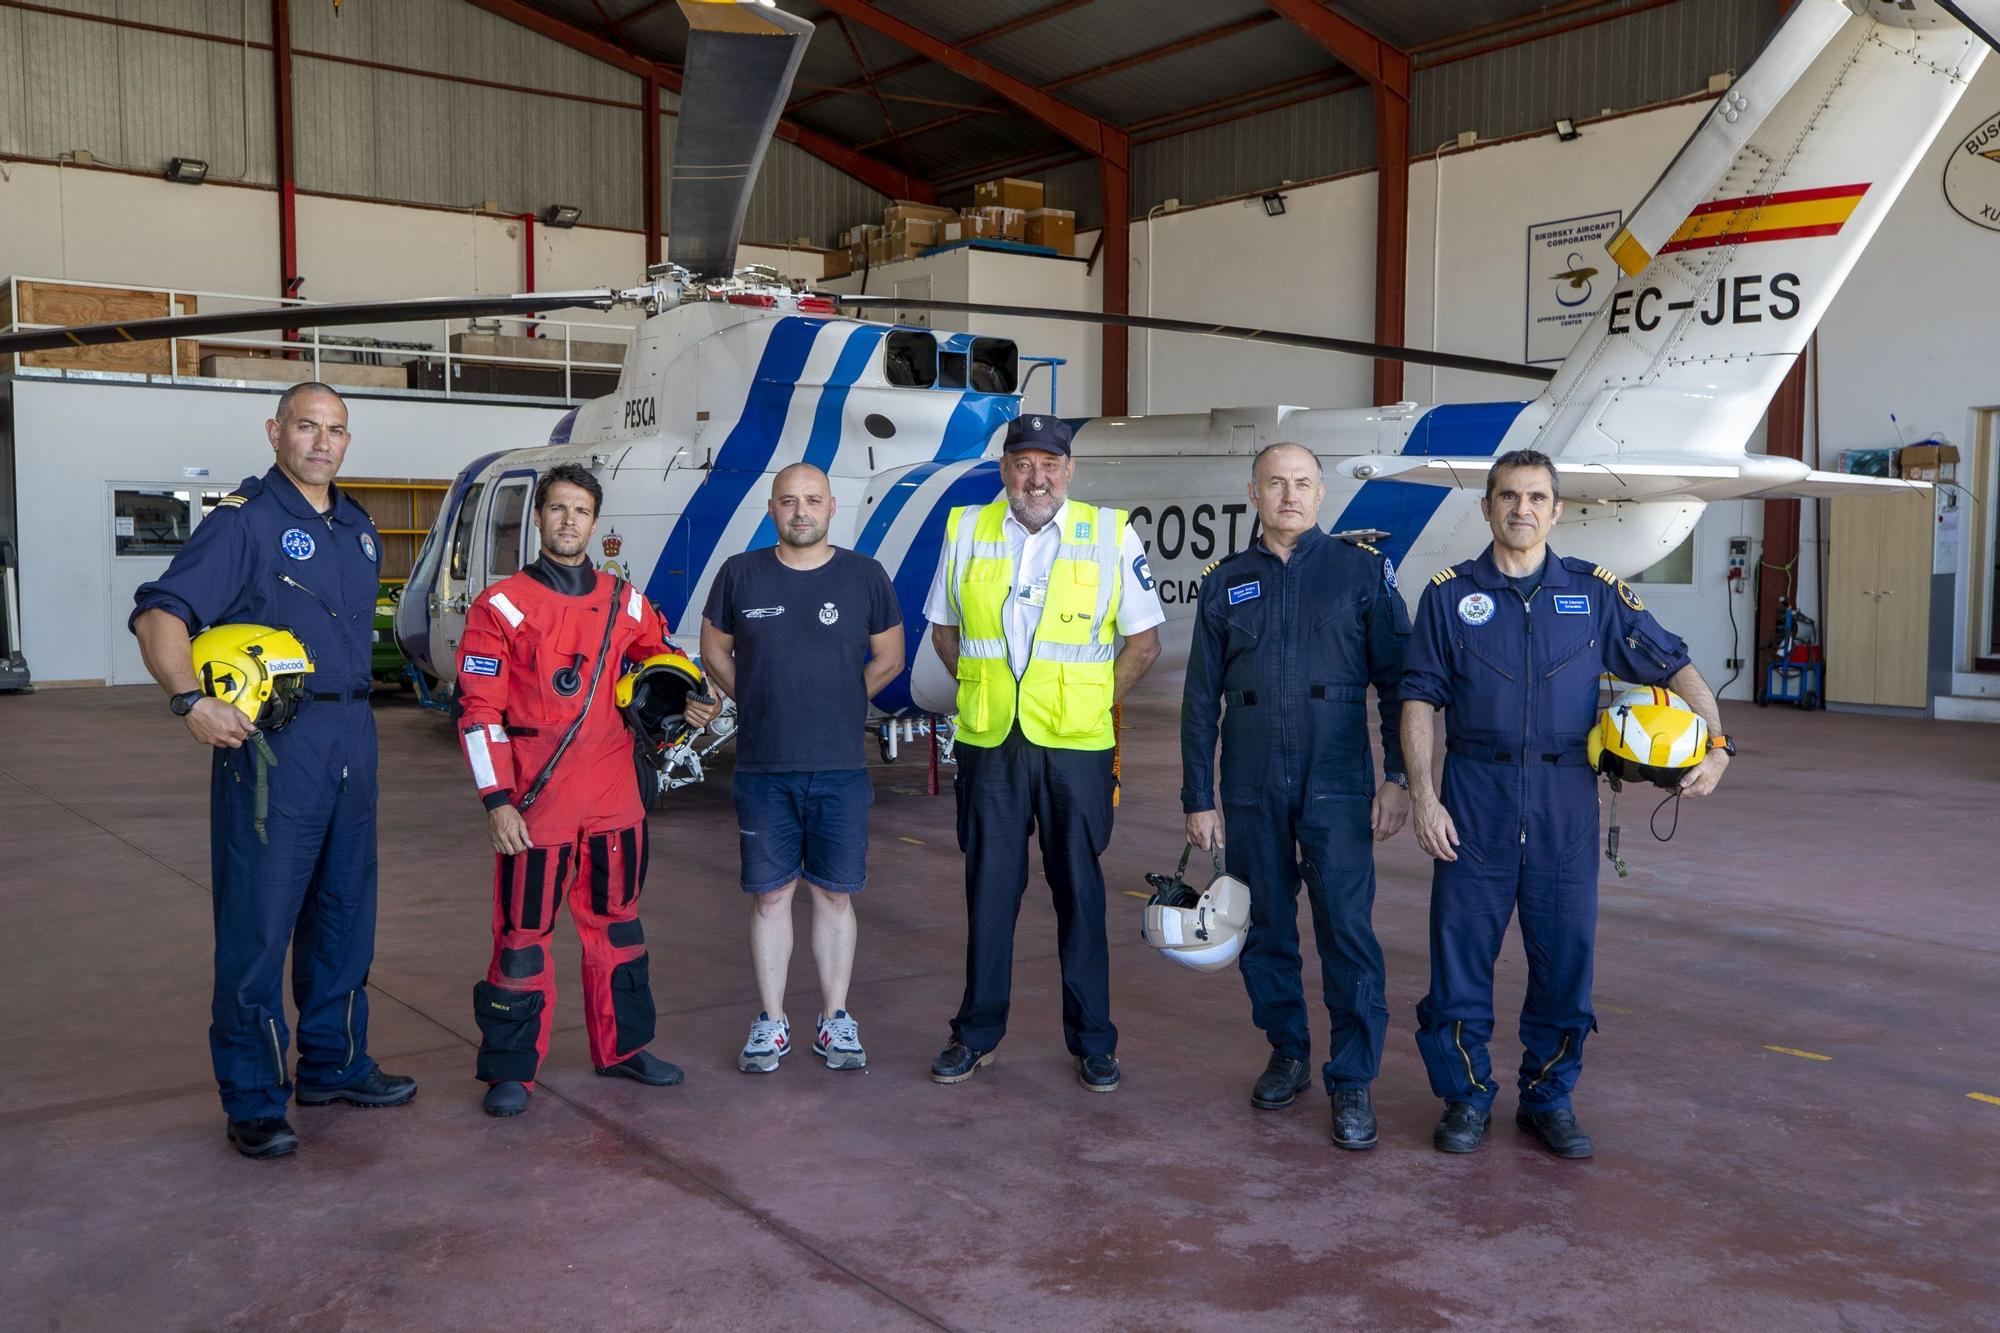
(1289, 633)
(286, 550)
(1511, 646)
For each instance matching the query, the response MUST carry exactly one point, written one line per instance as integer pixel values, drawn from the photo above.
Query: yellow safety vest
(1063, 699)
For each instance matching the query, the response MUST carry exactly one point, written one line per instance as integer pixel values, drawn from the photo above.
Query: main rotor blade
(737, 76)
(1312, 341)
(301, 317)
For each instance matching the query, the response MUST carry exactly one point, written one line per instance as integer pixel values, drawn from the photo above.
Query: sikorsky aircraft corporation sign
(1972, 176)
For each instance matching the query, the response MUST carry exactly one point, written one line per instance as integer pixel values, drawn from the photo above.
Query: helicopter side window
(951, 370)
(910, 359)
(461, 533)
(996, 365)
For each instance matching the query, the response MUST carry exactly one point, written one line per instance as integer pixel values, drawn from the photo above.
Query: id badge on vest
(1036, 594)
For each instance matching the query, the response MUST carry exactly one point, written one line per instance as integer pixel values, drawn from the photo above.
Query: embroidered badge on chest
(828, 613)
(1475, 608)
(1572, 605)
(297, 543)
(1243, 592)
(368, 546)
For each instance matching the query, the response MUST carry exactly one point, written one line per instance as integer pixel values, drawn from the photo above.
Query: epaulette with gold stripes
(1363, 546)
(230, 501)
(1605, 574)
(1211, 568)
(1444, 576)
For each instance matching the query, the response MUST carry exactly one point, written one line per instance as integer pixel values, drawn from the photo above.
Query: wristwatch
(1400, 779)
(1722, 743)
(183, 704)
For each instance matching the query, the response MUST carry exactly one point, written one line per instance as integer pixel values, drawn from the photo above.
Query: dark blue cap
(1050, 434)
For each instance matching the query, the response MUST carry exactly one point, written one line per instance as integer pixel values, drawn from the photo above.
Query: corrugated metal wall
(135, 98)
(1323, 137)
(1633, 61)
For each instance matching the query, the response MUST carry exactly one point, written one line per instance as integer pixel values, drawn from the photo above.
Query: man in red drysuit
(564, 818)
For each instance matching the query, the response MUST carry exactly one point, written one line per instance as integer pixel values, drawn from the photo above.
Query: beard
(810, 535)
(565, 546)
(1036, 510)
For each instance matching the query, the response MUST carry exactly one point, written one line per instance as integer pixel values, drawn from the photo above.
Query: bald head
(801, 506)
(1286, 488)
(1283, 455)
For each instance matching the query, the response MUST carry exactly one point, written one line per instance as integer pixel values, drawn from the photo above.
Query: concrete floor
(1838, 899)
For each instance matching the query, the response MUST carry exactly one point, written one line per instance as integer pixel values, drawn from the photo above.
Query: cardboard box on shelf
(995, 224)
(953, 231)
(1926, 461)
(839, 263)
(923, 232)
(1053, 227)
(898, 215)
(1008, 192)
(277, 370)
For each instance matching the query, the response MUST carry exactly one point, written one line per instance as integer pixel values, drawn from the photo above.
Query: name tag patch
(1243, 592)
(1572, 606)
(474, 665)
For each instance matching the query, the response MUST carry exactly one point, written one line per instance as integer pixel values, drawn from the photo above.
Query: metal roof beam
(918, 62)
(870, 171)
(1387, 70)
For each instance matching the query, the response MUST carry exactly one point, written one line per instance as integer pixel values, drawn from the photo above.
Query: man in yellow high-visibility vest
(1031, 596)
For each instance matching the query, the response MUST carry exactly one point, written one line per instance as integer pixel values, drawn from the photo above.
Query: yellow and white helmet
(259, 670)
(1648, 734)
(1198, 928)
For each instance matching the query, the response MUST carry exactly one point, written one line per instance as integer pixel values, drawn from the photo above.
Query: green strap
(261, 799)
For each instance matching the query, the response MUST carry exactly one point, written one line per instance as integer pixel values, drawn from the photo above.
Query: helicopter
(1724, 269)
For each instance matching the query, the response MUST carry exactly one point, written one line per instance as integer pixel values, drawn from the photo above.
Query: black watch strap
(183, 704)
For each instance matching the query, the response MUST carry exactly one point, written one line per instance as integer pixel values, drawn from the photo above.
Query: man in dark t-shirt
(802, 635)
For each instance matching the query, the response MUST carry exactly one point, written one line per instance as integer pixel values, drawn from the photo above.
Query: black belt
(1238, 698)
(1338, 693)
(339, 696)
(1491, 755)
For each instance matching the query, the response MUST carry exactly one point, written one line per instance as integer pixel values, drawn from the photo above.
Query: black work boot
(265, 1136)
(647, 1068)
(1353, 1119)
(958, 1062)
(1557, 1130)
(505, 1099)
(1283, 1079)
(1461, 1128)
(374, 1088)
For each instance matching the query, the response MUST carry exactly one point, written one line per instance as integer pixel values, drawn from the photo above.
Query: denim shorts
(810, 826)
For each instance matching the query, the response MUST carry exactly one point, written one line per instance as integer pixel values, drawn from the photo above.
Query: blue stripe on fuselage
(1402, 508)
(912, 578)
(972, 422)
(830, 412)
(738, 464)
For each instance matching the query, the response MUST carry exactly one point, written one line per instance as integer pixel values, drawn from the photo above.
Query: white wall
(74, 439)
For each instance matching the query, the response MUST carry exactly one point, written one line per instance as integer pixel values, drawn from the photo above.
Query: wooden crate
(61, 303)
(404, 508)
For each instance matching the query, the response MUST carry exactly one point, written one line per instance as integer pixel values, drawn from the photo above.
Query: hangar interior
(1801, 1090)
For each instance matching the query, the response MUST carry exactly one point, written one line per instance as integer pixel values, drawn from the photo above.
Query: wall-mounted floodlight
(1274, 205)
(1566, 130)
(187, 170)
(562, 215)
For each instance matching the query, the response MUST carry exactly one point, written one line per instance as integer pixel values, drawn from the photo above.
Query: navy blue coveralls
(1291, 647)
(272, 559)
(1518, 680)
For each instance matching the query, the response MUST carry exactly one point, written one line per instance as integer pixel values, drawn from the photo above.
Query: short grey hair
(1524, 458)
(298, 391)
(1258, 461)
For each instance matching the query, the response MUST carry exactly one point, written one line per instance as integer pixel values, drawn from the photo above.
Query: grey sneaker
(839, 1042)
(770, 1040)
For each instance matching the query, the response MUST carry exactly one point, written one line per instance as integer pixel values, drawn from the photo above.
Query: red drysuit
(524, 667)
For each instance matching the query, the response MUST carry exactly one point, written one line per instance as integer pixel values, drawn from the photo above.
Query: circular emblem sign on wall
(1972, 175)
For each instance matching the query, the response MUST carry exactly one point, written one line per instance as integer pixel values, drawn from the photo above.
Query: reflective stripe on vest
(1063, 698)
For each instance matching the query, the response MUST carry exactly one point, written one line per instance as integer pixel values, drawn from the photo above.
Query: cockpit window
(996, 365)
(910, 359)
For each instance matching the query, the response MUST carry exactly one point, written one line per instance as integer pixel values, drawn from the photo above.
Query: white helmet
(1198, 928)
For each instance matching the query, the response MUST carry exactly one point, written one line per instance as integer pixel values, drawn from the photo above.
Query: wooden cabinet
(1879, 600)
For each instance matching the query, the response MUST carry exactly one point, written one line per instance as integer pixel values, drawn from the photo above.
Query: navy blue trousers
(1537, 855)
(311, 889)
(1273, 845)
(1006, 794)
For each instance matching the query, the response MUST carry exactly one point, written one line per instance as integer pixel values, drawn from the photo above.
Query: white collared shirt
(1034, 554)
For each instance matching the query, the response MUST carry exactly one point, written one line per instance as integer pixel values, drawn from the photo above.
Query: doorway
(1982, 527)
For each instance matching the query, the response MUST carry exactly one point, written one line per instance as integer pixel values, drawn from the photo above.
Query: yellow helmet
(653, 697)
(258, 669)
(1647, 735)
